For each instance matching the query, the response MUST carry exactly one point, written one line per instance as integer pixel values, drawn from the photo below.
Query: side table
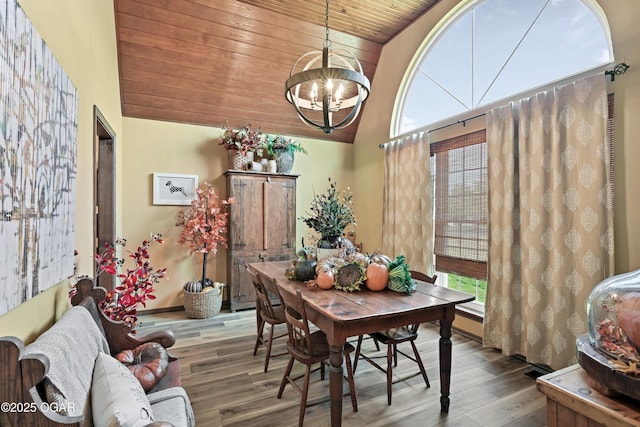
(571, 401)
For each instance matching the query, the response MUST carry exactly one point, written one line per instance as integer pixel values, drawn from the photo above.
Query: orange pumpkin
(325, 280)
(377, 276)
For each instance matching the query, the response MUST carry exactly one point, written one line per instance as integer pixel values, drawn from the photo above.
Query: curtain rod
(618, 70)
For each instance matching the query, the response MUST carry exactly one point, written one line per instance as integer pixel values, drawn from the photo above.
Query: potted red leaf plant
(204, 230)
(136, 283)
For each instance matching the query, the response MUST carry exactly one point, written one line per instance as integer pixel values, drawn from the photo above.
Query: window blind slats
(460, 180)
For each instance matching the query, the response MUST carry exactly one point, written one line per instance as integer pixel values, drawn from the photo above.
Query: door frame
(104, 191)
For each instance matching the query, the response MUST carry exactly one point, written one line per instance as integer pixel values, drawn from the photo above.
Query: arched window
(492, 50)
(486, 53)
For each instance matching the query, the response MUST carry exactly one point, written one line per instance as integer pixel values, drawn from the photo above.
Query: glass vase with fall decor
(610, 352)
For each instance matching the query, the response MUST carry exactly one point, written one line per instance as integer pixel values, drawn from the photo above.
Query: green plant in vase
(330, 213)
(280, 149)
(273, 145)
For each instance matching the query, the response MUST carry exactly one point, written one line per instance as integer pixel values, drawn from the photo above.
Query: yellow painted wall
(188, 149)
(81, 34)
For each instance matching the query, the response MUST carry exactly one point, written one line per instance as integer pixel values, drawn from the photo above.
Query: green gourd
(305, 269)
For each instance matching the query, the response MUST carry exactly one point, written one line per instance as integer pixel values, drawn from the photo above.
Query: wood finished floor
(227, 385)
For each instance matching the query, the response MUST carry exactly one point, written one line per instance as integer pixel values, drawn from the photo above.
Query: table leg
(445, 363)
(335, 385)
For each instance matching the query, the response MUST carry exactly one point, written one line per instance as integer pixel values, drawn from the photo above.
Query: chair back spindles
(266, 305)
(299, 330)
(266, 315)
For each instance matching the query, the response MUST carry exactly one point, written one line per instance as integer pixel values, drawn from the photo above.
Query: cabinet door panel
(245, 214)
(241, 291)
(279, 223)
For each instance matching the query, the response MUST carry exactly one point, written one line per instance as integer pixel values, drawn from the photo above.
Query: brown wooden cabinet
(262, 227)
(572, 401)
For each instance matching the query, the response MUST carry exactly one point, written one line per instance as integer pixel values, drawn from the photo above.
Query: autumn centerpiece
(204, 230)
(339, 264)
(136, 283)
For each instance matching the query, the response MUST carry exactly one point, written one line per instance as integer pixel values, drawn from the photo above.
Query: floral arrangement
(271, 143)
(244, 139)
(205, 224)
(331, 213)
(136, 284)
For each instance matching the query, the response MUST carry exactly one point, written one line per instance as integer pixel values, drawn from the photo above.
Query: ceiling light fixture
(327, 88)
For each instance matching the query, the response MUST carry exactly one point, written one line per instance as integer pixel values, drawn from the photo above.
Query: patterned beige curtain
(550, 219)
(407, 219)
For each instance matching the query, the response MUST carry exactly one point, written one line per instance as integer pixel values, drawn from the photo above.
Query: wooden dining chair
(309, 348)
(266, 314)
(391, 338)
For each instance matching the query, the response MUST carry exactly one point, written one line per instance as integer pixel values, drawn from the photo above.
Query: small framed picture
(174, 189)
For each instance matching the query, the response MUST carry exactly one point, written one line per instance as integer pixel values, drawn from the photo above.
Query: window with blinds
(459, 168)
(460, 184)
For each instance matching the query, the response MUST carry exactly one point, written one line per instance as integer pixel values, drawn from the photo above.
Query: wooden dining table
(341, 315)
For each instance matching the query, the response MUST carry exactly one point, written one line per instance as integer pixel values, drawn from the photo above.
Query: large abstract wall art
(38, 137)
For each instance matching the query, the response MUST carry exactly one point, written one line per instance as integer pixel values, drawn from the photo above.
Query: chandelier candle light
(338, 87)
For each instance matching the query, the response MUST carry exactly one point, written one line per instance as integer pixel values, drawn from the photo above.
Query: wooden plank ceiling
(224, 62)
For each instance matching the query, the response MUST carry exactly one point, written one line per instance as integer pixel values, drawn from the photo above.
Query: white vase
(324, 253)
(254, 167)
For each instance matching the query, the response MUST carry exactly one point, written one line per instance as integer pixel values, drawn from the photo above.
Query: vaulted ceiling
(224, 62)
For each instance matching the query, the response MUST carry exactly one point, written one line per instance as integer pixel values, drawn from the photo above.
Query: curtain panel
(407, 218)
(550, 220)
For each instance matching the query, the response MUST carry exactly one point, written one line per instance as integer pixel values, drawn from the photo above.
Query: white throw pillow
(117, 398)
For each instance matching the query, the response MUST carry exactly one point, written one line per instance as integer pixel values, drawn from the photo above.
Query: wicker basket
(203, 305)
(238, 161)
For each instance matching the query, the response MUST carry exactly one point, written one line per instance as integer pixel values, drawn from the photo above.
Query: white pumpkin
(193, 286)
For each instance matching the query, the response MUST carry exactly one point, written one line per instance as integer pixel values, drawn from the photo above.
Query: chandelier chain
(327, 43)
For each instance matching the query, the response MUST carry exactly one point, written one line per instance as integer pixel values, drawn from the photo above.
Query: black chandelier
(327, 88)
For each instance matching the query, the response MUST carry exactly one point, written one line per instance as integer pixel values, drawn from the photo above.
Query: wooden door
(105, 196)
